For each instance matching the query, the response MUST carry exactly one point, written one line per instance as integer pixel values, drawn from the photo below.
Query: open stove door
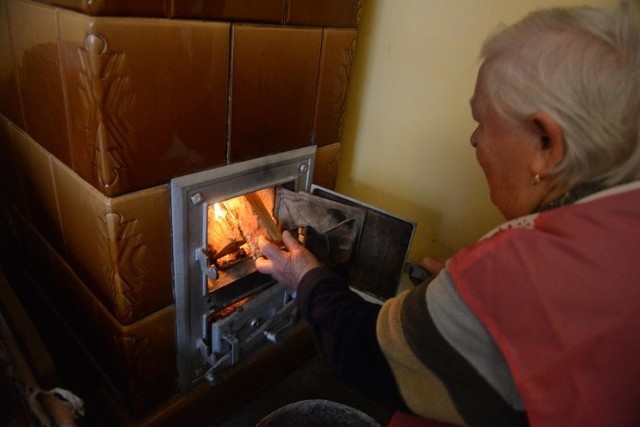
(366, 245)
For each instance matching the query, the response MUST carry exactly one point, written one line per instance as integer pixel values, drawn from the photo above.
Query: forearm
(344, 327)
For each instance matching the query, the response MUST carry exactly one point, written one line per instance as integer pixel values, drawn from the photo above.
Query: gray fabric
(317, 413)
(465, 333)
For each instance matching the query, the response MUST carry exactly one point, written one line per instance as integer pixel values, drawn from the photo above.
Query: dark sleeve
(344, 328)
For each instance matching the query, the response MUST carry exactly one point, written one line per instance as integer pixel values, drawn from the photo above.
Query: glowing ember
(227, 310)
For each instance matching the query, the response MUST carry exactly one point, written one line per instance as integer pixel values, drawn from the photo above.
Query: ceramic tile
(271, 11)
(9, 170)
(273, 82)
(139, 230)
(37, 187)
(120, 247)
(147, 98)
(10, 235)
(34, 251)
(75, 303)
(139, 360)
(325, 170)
(34, 36)
(332, 13)
(157, 8)
(10, 99)
(338, 48)
(329, 13)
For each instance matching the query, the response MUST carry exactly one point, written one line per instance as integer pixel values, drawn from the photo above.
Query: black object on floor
(311, 380)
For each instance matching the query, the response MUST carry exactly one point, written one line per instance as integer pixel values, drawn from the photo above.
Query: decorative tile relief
(107, 100)
(338, 49)
(147, 98)
(119, 247)
(125, 273)
(138, 360)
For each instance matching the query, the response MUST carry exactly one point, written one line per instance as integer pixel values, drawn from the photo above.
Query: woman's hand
(287, 267)
(432, 265)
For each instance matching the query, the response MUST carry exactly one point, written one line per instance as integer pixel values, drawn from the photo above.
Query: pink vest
(562, 301)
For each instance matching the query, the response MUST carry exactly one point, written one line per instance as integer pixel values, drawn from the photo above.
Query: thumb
(290, 242)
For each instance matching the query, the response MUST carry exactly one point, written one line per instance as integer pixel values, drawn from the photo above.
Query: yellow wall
(406, 131)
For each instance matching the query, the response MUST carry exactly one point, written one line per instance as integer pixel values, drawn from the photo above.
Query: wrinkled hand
(287, 267)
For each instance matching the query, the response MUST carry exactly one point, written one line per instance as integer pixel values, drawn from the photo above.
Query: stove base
(203, 405)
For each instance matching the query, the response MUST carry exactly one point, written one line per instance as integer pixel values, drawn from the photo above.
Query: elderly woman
(538, 322)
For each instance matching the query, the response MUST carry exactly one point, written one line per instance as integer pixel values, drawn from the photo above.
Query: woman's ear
(551, 148)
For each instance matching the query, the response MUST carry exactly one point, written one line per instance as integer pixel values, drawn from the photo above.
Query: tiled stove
(102, 104)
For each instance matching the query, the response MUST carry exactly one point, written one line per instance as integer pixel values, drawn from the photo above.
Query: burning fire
(233, 228)
(227, 310)
(218, 211)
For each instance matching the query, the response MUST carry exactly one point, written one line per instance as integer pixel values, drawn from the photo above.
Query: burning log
(235, 225)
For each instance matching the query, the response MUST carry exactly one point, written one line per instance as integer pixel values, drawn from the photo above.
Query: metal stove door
(365, 244)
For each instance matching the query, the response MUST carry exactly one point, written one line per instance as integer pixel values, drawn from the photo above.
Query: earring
(537, 179)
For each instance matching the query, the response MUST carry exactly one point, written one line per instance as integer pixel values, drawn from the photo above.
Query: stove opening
(233, 227)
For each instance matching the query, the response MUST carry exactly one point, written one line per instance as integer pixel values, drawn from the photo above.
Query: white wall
(406, 131)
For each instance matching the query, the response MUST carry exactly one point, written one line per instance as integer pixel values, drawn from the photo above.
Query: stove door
(365, 244)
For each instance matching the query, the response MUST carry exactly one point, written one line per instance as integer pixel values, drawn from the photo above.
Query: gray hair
(581, 66)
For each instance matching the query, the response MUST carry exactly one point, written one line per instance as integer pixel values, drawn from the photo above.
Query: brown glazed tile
(269, 11)
(9, 96)
(325, 170)
(119, 247)
(34, 37)
(139, 230)
(147, 98)
(273, 85)
(157, 8)
(338, 48)
(37, 187)
(35, 251)
(10, 235)
(73, 300)
(139, 360)
(325, 13)
(9, 171)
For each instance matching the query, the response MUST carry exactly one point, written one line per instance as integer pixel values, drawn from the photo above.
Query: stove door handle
(206, 265)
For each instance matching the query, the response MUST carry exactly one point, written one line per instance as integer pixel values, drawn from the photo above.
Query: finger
(263, 265)
(432, 265)
(290, 242)
(267, 248)
(262, 241)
